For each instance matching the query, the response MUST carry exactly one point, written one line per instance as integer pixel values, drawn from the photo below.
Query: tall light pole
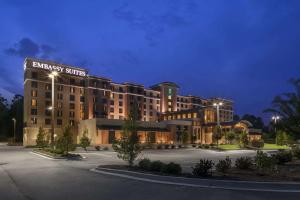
(15, 121)
(52, 75)
(275, 119)
(217, 105)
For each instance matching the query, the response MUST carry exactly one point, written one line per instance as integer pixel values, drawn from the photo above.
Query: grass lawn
(229, 146)
(275, 146)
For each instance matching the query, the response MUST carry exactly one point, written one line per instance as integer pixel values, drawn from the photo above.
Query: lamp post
(275, 119)
(15, 121)
(217, 105)
(52, 75)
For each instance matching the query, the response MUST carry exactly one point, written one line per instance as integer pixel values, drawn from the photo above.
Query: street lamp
(275, 119)
(52, 75)
(217, 105)
(15, 121)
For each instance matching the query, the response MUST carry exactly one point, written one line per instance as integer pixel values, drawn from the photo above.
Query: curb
(113, 172)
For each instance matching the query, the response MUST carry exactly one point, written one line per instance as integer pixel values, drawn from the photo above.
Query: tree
(16, 111)
(84, 140)
(4, 116)
(65, 141)
(257, 122)
(230, 136)
(184, 137)
(236, 118)
(128, 146)
(41, 140)
(244, 140)
(217, 134)
(287, 106)
(281, 138)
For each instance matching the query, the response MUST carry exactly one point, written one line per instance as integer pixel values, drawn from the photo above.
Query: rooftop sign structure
(33, 63)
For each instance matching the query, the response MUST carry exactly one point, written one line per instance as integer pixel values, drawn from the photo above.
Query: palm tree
(287, 106)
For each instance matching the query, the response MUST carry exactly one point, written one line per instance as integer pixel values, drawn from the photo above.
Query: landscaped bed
(281, 166)
(56, 154)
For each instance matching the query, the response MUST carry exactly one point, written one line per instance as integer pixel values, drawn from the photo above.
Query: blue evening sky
(238, 49)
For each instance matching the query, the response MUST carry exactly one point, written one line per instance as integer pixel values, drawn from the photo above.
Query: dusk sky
(241, 50)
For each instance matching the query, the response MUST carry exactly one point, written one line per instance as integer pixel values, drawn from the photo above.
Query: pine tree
(84, 140)
(41, 140)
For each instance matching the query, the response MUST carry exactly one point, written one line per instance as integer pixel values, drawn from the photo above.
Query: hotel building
(99, 105)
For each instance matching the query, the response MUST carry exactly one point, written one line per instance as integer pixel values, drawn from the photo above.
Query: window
(151, 113)
(33, 93)
(33, 103)
(48, 95)
(194, 115)
(34, 84)
(33, 120)
(120, 96)
(95, 92)
(48, 112)
(59, 113)
(48, 86)
(72, 106)
(81, 98)
(151, 107)
(120, 110)
(59, 122)
(81, 91)
(157, 101)
(111, 110)
(72, 81)
(60, 96)
(112, 102)
(59, 104)
(72, 114)
(82, 82)
(47, 104)
(120, 103)
(71, 122)
(33, 111)
(60, 87)
(47, 121)
(72, 90)
(72, 98)
(34, 75)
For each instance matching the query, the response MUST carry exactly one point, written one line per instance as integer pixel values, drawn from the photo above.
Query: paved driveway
(24, 175)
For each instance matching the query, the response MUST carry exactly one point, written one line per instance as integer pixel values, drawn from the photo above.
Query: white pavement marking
(42, 156)
(203, 179)
(190, 184)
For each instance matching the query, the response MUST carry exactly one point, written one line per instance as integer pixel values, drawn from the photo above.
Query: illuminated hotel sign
(56, 67)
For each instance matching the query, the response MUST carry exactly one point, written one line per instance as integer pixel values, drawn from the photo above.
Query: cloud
(154, 25)
(26, 47)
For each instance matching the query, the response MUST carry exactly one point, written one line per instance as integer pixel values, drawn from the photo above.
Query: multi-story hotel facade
(98, 106)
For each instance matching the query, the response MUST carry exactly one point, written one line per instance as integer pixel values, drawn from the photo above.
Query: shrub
(244, 163)
(156, 166)
(166, 146)
(98, 148)
(159, 147)
(200, 146)
(194, 145)
(173, 146)
(223, 165)
(41, 140)
(244, 140)
(105, 148)
(257, 143)
(172, 168)
(203, 168)
(179, 146)
(145, 164)
(282, 157)
(206, 146)
(264, 163)
(84, 140)
(281, 138)
(296, 152)
(65, 141)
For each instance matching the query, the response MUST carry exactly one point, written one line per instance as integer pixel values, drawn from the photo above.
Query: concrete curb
(164, 180)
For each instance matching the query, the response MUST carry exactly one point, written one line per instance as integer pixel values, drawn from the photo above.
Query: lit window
(189, 115)
(195, 115)
(178, 116)
(33, 102)
(183, 116)
(33, 93)
(169, 103)
(169, 97)
(34, 120)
